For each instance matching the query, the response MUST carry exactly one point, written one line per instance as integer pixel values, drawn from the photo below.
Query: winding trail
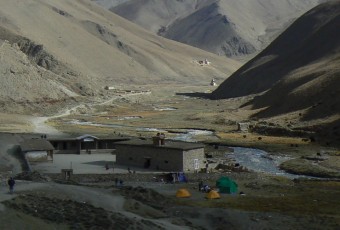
(40, 126)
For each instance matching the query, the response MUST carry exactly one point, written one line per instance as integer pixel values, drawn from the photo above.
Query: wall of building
(79, 147)
(160, 158)
(33, 156)
(66, 147)
(106, 144)
(189, 158)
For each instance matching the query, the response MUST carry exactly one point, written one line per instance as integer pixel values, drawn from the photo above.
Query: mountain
(299, 71)
(52, 50)
(231, 28)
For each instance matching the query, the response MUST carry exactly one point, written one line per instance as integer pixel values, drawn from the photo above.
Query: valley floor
(271, 202)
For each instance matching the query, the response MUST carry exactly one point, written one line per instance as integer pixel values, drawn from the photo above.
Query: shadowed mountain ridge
(298, 75)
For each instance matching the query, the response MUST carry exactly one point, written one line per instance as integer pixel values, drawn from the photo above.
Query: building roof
(115, 138)
(85, 136)
(36, 145)
(168, 144)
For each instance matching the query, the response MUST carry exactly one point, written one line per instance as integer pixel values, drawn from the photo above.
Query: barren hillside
(231, 28)
(69, 48)
(299, 71)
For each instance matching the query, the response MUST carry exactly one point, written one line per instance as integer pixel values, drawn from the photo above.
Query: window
(196, 164)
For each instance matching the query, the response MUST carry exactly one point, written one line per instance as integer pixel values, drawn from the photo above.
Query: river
(259, 160)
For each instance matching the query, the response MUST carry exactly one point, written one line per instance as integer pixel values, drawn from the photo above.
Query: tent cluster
(223, 185)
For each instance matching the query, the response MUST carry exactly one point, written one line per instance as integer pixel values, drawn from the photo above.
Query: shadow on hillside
(196, 94)
(328, 133)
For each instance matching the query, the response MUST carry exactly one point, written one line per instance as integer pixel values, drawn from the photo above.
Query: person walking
(11, 183)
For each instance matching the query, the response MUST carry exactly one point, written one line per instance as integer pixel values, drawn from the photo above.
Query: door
(147, 162)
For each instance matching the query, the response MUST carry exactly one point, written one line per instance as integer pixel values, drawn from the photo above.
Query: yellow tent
(183, 193)
(213, 195)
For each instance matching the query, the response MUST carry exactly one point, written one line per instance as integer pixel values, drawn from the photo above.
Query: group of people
(203, 187)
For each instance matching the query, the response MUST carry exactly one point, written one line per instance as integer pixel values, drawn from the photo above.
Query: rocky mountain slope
(298, 72)
(231, 28)
(51, 50)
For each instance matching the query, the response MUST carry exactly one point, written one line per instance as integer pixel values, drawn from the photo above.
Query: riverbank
(301, 156)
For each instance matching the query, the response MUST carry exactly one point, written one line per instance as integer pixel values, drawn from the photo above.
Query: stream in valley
(259, 160)
(179, 134)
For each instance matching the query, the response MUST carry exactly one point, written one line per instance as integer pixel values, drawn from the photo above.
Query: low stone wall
(142, 177)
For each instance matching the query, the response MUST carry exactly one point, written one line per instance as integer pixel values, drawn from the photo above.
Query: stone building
(37, 150)
(85, 144)
(243, 126)
(158, 154)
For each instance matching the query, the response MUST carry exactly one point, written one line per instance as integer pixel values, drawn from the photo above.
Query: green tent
(226, 185)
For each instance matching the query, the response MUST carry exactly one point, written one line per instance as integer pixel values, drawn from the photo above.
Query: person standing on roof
(11, 183)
